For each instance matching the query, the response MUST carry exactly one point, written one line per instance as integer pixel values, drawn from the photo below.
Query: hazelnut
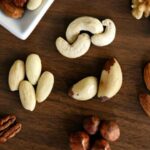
(110, 130)
(91, 124)
(79, 141)
(101, 145)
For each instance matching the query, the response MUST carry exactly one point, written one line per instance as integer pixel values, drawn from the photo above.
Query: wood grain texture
(48, 127)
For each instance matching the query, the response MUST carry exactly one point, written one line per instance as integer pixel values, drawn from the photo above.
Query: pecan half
(8, 128)
(7, 121)
(10, 133)
(9, 8)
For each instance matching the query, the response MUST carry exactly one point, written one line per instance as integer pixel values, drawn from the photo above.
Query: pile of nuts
(145, 98)
(9, 128)
(140, 8)
(78, 44)
(32, 68)
(96, 135)
(110, 83)
(16, 8)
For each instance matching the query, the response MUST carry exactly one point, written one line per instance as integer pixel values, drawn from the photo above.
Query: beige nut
(85, 23)
(16, 75)
(33, 68)
(44, 86)
(27, 95)
(111, 80)
(85, 89)
(33, 4)
(140, 8)
(77, 49)
(107, 37)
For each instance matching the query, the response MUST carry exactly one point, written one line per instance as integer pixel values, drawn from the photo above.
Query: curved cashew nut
(85, 23)
(104, 39)
(77, 49)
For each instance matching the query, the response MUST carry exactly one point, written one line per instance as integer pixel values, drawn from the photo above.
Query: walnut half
(140, 8)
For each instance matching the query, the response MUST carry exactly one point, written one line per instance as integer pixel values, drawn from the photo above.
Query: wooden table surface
(48, 127)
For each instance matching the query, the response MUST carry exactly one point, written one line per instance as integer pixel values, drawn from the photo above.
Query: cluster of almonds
(16, 8)
(77, 44)
(32, 68)
(9, 128)
(145, 98)
(110, 83)
(140, 8)
(96, 136)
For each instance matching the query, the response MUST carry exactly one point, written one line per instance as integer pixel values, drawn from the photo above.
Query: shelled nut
(79, 141)
(110, 130)
(91, 124)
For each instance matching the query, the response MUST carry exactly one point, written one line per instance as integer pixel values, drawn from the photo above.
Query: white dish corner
(23, 27)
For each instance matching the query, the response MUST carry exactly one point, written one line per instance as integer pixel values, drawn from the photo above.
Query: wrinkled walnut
(8, 128)
(79, 141)
(10, 9)
(91, 124)
(101, 145)
(140, 8)
(110, 130)
(20, 3)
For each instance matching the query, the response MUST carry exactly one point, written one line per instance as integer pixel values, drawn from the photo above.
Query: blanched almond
(33, 4)
(27, 95)
(33, 68)
(44, 86)
(16, 75)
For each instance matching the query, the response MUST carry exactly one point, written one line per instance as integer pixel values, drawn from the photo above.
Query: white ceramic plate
(23, 27)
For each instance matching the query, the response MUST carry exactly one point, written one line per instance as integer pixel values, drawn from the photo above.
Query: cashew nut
(77, 49)
(85, 23)
(103, 39)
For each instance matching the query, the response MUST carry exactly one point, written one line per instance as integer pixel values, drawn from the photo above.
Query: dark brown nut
(79, 141)
(91, 124)
(147, 76)
(10, 9)
(20, 3)
(110, 130)
(6, 122)
(145, 103)
(101, 145)
(10, 133)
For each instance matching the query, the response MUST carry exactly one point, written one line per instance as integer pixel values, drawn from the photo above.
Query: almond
(16, 75)
(27, 95)
(34, 4)
(44, 86)
(147, 76)
(145, 103)
(111, 80)
(33, 68)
